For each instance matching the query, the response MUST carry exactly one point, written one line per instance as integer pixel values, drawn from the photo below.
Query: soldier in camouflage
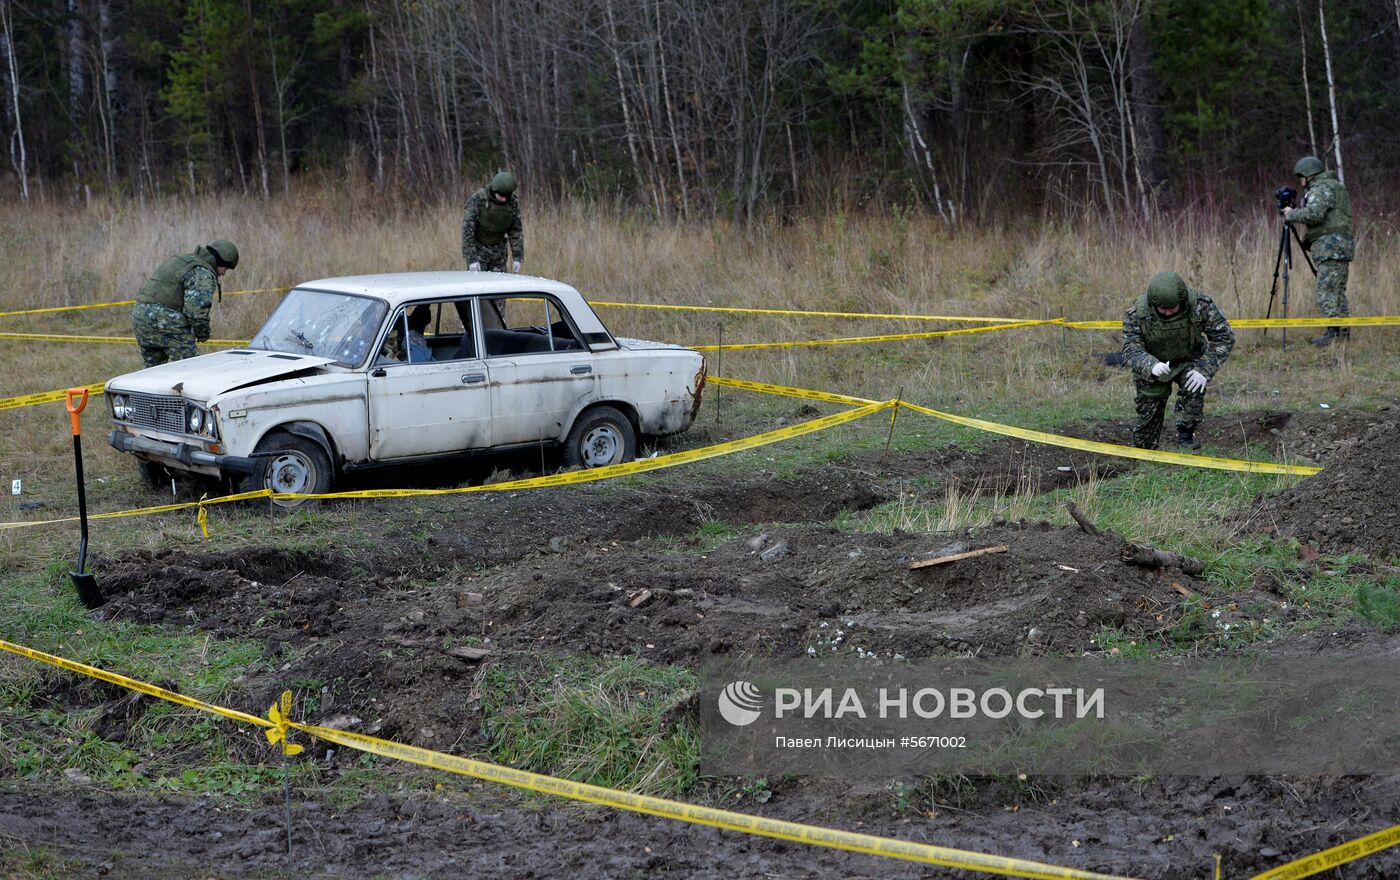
(491, 219)
(1326, 214)
(1173, 334)
(172, 310)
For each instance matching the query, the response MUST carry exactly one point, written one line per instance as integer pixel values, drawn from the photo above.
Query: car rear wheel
(292, 465)
(601, 436)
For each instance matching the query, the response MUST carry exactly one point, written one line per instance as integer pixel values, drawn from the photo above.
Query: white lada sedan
(378, 370)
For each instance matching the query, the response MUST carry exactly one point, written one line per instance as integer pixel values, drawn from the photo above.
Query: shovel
(85, 582)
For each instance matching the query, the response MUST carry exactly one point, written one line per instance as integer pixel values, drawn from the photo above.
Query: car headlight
(196, 421)
(121, 409)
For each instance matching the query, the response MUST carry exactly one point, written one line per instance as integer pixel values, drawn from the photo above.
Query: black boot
(1186, 439)
(1331, 336)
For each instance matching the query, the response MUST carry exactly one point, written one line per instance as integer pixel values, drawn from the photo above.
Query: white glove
(473, 267)
(515, 267)
(1161, 369)
(1195, 381)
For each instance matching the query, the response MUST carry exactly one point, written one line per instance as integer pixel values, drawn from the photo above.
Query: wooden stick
(1079, 517)
(955, 557)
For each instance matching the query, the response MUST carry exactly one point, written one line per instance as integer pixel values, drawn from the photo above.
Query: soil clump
(1352, 506)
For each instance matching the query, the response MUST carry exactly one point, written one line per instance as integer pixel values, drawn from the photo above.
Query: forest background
(972, 111)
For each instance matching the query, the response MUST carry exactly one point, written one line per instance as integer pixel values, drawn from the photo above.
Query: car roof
(399, 287)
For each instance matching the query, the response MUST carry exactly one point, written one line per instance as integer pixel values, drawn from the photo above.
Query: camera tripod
(1284, 261)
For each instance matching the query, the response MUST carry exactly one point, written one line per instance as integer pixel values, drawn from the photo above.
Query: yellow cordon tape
(802, 313)
(277, 724)
(121, 340)
(145, 511)
(1365, 321)
(633, 467)
(862, 410)
(127, 302)
(847, 340)
(1331, 858)
(856, 340)
(1257, 323)
(921, 853)
(132, 684)
(785, 391)
(44, 397)
(1199, 461)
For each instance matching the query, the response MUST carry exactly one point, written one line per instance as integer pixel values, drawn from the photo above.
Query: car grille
(158, 411)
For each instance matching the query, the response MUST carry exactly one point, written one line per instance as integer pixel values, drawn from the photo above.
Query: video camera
(1287, 197)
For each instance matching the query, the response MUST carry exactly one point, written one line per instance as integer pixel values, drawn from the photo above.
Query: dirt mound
(1314, 436)
(810, 589)
(1351, 506)
(385, 649)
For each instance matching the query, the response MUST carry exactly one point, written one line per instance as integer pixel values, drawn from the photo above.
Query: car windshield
(321, 324)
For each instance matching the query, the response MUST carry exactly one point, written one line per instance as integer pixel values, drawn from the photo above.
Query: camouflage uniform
(482, 245)
(1326, 212)
(1212, 340)
(168, 334)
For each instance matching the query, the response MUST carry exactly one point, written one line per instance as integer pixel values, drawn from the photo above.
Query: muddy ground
(601, 571)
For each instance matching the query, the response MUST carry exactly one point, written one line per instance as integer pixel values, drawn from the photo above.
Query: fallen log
(955, 557)
(1151, 557)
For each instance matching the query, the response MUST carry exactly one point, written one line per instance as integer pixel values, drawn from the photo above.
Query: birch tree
(19, 156)
(1331, 92)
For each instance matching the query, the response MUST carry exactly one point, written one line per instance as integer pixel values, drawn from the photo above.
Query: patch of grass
(606, 722)
(1180, 509)
(713, 533)
(1380, 604)
(19, 861)
(52, 715)
(910, 512)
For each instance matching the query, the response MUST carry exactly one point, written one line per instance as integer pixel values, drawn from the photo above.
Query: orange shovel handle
(77, 402)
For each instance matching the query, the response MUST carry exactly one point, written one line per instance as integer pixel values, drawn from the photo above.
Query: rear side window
(525, 325)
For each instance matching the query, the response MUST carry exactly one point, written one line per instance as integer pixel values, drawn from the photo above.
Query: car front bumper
(181, 455)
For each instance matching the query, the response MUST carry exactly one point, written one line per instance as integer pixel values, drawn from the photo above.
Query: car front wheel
(601, 436)
(291, 465)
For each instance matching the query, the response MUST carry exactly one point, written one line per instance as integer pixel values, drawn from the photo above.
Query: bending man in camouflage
(1173, 334)
(172, 310)
(491, 218)
(1326, 212)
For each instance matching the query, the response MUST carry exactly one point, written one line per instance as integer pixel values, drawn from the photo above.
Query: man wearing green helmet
(172, 310)
(1173, 334)
(491, 219)
(1326, 215)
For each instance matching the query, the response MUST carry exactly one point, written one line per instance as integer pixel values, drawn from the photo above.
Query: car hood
(203, 377)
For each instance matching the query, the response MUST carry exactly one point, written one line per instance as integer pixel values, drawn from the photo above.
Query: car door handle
(580, 369)
(473, 378)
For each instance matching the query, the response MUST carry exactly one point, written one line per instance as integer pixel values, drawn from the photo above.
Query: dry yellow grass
(60, 255)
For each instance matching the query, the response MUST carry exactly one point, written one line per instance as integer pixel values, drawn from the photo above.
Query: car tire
(288, 463)
(154, 477)
(600, 436)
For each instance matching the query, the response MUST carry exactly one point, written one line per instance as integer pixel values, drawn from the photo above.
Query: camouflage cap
(503, 183)
(1307, 167)
(225, 252)
(1166, 290)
